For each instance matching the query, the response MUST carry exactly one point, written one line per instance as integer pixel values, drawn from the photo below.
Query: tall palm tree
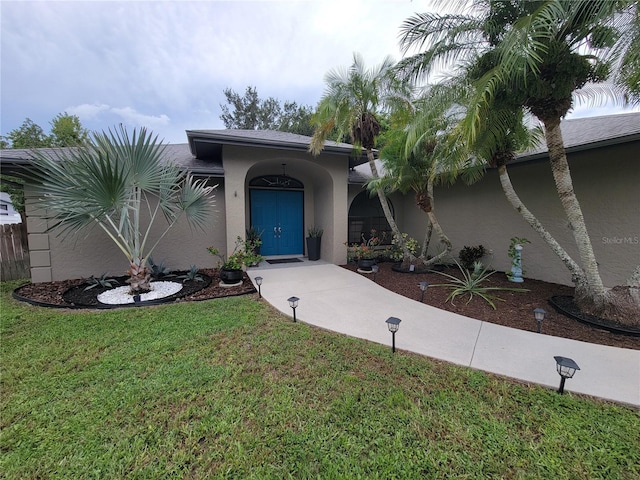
(626, 54)
(112, 182)
(353, 100)
(543, 52)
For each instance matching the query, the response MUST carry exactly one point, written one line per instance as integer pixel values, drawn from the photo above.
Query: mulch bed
(515, 311)
(72, 293)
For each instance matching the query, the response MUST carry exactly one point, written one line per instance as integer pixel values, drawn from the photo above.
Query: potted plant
(314, 239)
(254, 238)
(364, 253)
(232, 267)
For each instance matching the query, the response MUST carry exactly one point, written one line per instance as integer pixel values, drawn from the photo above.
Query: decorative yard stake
(516, 265)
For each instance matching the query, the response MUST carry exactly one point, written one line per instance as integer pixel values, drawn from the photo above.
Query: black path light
(539, 314)
(293, 303)
(393, 323)
(259, 283)
(423, 288)
(566, 368)
(375, 269)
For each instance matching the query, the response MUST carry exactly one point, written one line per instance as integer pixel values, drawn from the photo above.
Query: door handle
(275, 231)
(279, 231)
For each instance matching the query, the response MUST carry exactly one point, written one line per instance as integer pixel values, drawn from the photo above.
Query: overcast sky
(165, 64)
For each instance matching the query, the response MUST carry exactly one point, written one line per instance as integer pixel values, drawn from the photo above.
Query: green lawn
(232, 389)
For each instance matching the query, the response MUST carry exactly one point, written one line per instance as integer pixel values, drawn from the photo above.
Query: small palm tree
(111, 182)
(418, 153)
(350, 107)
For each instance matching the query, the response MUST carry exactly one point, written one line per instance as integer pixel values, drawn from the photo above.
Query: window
(366, 214)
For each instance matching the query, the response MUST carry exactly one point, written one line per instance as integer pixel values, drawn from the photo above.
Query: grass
(232, 389)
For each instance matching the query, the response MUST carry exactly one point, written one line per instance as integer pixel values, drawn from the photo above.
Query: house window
(366, 214)
(276, 181)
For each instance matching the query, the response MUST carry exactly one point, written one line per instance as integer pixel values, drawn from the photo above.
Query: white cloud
(87, 111)
(165, 64)
(102, 113)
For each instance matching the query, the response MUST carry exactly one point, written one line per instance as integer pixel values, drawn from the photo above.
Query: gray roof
(591, 132)
(208, 143)
(15, 160)
(266, 138)
(203, 154)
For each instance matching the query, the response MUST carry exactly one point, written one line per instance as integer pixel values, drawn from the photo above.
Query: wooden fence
(14, 252)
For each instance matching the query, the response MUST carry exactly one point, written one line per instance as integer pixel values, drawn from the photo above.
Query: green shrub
(469, 255)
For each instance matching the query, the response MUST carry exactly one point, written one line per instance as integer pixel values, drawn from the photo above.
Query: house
(604, 159)
(268, 180)
(8, 214)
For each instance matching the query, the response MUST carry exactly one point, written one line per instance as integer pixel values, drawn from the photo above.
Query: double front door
(279, 215)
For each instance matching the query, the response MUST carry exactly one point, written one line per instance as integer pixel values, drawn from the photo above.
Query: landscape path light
(293, 303)
(393, 323)
(566, 367)
(539, 314)
(423, 288)
(375, 269)
(259, 283)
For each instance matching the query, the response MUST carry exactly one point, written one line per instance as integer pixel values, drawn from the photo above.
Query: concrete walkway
(337, 299)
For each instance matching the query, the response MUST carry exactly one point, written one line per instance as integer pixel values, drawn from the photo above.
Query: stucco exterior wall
(606, 181)
(325, 193)
(607, 184)
(94, 253)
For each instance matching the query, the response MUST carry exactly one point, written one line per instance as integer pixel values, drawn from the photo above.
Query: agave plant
(471, 284)
(191, 275)
(110, 182)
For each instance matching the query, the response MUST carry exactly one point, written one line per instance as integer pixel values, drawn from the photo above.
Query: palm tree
(626, 54)
(350, 106)
(419, 152)
(542, 53)
(111, 182)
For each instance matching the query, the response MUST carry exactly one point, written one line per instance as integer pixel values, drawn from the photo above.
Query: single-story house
(8, 214)
(270, 181)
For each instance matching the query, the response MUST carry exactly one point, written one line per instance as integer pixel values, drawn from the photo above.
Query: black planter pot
(366, 264)
(231, 276)
(313, 248)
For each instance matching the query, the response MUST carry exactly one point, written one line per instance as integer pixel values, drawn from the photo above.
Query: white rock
(121, 295)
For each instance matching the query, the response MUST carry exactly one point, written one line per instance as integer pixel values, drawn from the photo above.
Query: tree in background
(66, 131)
(249, 112)
(28, 135)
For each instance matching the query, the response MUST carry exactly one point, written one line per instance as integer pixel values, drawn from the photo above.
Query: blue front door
(279, 215)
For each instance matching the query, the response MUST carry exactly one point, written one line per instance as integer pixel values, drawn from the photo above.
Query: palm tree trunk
(591, 293)
(427, 240)
(387, 211)
(424, 200)
(139, 278)
(577, 275)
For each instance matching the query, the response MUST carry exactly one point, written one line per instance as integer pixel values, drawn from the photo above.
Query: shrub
(470, 255)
